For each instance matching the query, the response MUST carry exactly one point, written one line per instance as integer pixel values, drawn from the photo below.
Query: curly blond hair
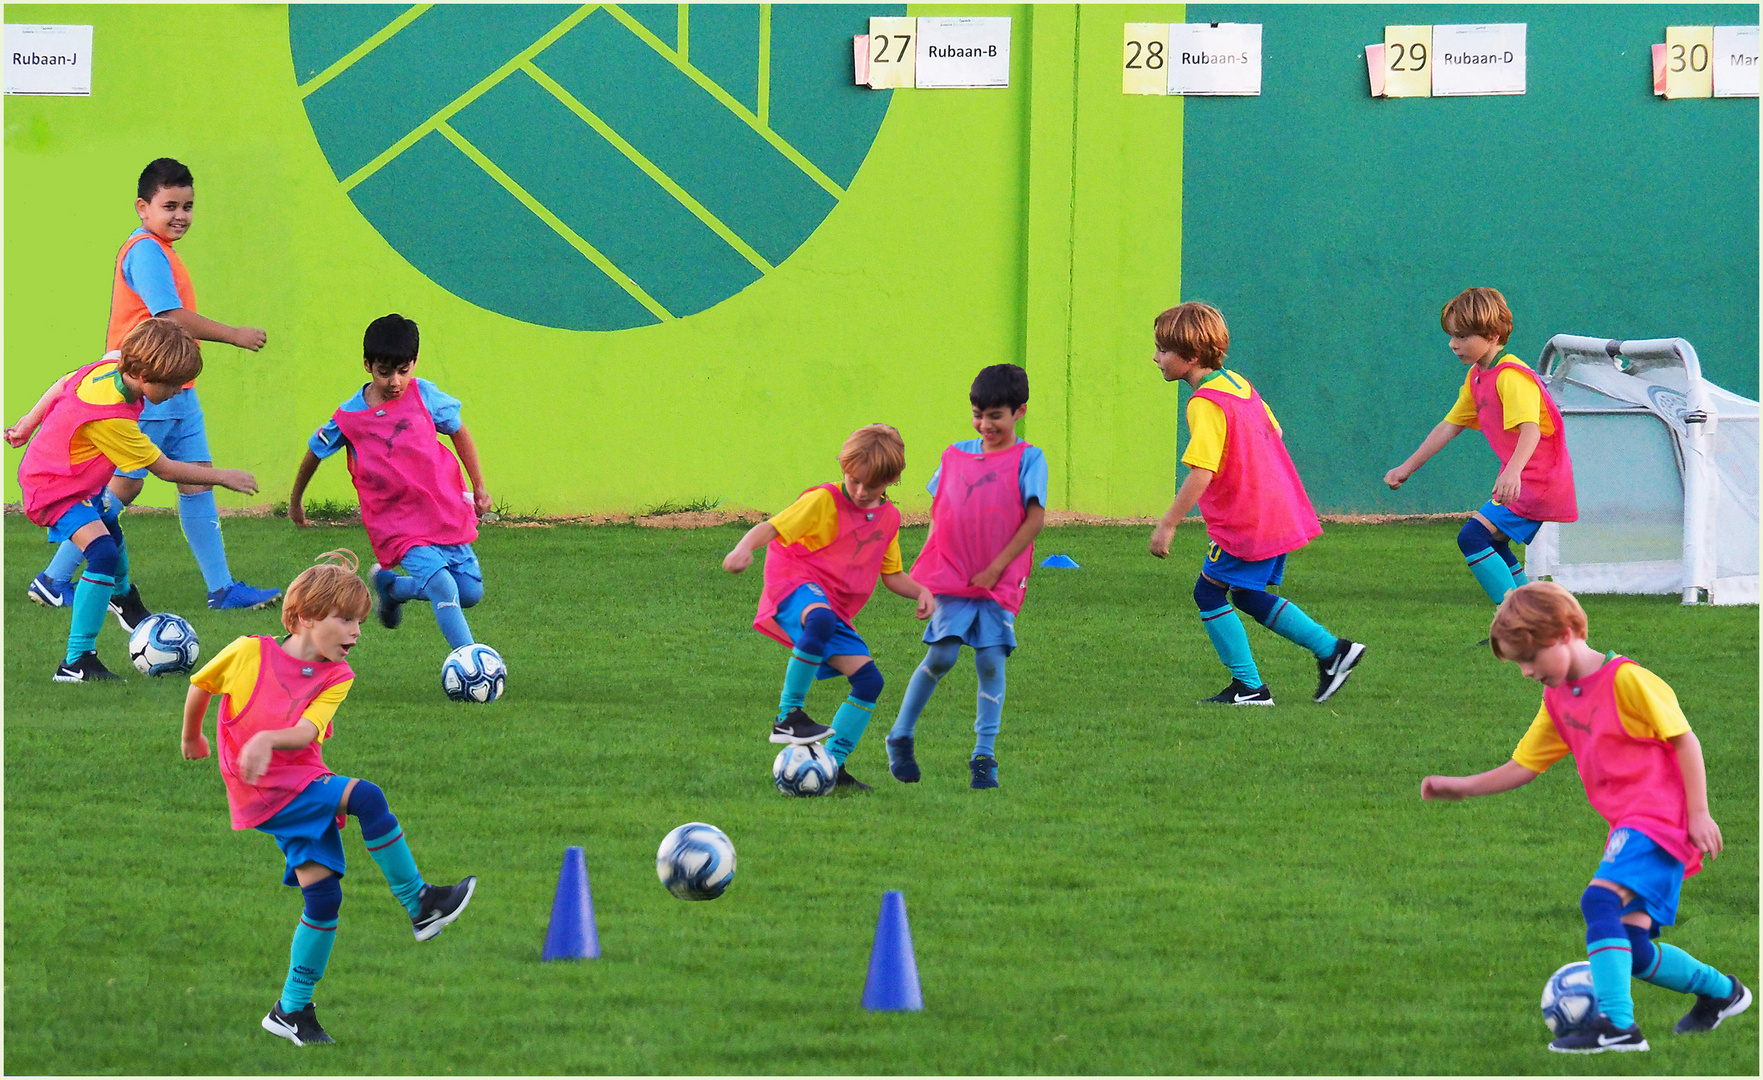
(332, 586)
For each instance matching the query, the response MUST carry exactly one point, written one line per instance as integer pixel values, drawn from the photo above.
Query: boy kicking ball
(1643, 772)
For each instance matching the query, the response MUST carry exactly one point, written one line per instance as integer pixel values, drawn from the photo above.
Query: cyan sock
(121, 588)
(798, 677)
(393, 857)
(989, 711)
(1289, 621)
(1232, 643)
(1608, 950)
(403, 587)
(91, 599)
(1504, 547)
(313, 938)
(1490, 570)
(201, 521)
(1678, 970)
(442, 593)
(930, 671)
(848, 725)
(68, 558)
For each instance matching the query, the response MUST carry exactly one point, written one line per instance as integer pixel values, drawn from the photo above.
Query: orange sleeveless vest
(127, 311)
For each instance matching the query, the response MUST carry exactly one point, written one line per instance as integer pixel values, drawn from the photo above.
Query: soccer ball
(1569, 1002)
(474, 672)
(804, 770)
(164, 645)
(696, 861)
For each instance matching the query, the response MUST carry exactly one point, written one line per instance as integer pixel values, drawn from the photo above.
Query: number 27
(881, 48)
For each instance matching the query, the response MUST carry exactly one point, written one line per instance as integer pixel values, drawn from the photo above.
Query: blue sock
(68, 558)
(1490, 570)
(930, 671)
(91, 597)
(1611, 956)
(1226, 632)
(121, 587)
(1677, 970)
(442, 593)
(853, 716)
(403, 587)
(1504, 547)
(1287, 620)
(989, 714)
(805, 659)
(313, 939)
(384, 838)
(201, 521)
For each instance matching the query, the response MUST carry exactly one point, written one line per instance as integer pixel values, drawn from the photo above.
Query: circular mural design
(590, 168)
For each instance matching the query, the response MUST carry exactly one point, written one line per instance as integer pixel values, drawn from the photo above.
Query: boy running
(277, 701)
(1253, 503)
(90, 428)
(1643, 773)
(823, 555)
(1503, 398)
(988, 503)
(418, 514)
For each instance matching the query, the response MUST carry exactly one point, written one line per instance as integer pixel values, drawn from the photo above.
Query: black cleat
(299, 1027)
(1238, 693)
(1707, 1012)
(1332, 673)
(846, 784)
(798, 730)
(88, 668)
(390, 611)
(128, 609)
(985, 772)
(902, 766)
(1599, 1037)
(438, 905)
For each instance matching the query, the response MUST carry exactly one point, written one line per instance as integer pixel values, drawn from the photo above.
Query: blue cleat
(390, 611)
(985, 772)
(901, 763)
(241, 597)
(47, 591)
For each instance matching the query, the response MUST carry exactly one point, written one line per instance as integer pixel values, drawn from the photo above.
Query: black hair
(163, 173)
(1000, 384)
(390, 339)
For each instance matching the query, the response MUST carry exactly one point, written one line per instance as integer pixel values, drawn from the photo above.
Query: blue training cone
(893, 973)
(1061, 562)
(572, 935)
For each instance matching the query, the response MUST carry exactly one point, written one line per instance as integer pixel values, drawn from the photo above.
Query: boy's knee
(820, 623)
(1210, 595)
(1474, 537)
(1600, 904)
(941, 657)
(324, 898)
(367, 803)
(1257, 602)
(441, 588)
(471, 590)
(866, 682)
(104, 556)
(989, 663)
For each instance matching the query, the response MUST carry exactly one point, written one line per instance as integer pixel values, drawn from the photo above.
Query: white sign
(963, 53)
(1215, 59)
(1735, 61)
(1486, 59)
(49, 60)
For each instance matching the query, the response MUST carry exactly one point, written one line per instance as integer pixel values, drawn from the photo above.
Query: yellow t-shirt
(233, 671)
(1206, 421)
(813, 522)
(1645, 704)
(118, 438)
(1521, 400)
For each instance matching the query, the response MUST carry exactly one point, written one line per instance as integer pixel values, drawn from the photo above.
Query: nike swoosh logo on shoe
(1605, 1041)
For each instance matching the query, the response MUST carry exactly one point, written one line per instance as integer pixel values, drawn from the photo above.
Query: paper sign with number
(50, 60)
(971, 53)
(1407, 60)
(893, 53)
(1735, 61)
(1478, 59)
(1689, 61)
(1216, 60)
(1145, 63)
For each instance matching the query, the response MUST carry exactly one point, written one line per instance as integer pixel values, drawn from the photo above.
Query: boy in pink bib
(276, 704)
(1643, 773)
(1254, 506)
(823, 556)
(989, 498)
(418, 513)
(1504, 399)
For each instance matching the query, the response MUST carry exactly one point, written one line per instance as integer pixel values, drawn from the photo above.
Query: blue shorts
(978, 622)
(1521, 529)
(306, 829)
(1634, 861)
(1226, 569)
(100, 507)
(845, 641)
(427, 560)
(177, 428)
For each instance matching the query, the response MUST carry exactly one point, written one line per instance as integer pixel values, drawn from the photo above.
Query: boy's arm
(900, 583)
(1493, 782)
(195, 708)
(297, 494)
(467, 451)
(1025, 535)
(742, 555)
(1508, 484)
(20, 433)
(205, 329)
(183, 472)
(1432, 444)
(1703, 832)
(254, 755)
(1186, 497)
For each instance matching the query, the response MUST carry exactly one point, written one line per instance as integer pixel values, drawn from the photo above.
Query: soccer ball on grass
(164, 644)
(1569, 1001)
(475, 673)
(804, 771)
(696, 861)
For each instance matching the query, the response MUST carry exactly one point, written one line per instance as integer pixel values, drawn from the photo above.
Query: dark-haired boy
(989, 498)
(150, 281)
(414, 504)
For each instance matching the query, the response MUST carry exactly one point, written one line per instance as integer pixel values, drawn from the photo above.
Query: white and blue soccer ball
(804, 771)
(1569, 1001)
(474, 672)
(164, 644)
(696, 861)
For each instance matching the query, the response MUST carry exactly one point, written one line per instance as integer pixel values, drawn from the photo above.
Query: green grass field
(1157, 887)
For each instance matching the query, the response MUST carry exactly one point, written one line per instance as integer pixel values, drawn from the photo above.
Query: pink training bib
(1633, 783)
(846, 569)
(1255, 508)
(412, 489)
(1546, 484)
(976, 510)
(286, 685)
(49, 479)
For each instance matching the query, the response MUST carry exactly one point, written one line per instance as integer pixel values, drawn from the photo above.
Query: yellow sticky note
(1689, 68)
(1145, 63)
(1407, 61)
(893, 53)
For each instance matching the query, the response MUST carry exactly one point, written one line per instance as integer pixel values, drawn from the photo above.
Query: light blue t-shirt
(1031, 476)
(443, 410)
(147, 271)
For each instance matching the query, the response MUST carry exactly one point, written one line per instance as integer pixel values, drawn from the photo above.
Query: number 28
(1152, 52)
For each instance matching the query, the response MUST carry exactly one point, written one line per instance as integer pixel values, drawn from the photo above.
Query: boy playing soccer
(1253, 503)
(1643, 772)
(276, 705)
(989, 498)
(823, 555)
(414, 504)
(1504, 399)
(89, 430)
(149, 281)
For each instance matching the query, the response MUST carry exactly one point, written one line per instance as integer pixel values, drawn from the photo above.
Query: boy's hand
(254, 757)
(297, 514)
(197, 748)
(1705, 834)
(1160, 538)
(927, 604)
(241, 481)
(1448, 788)
(481, 500)
(1396, 477)
(737, 560)
(986, 578)
(17, 435)
(249, 337)
(1506, 489)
